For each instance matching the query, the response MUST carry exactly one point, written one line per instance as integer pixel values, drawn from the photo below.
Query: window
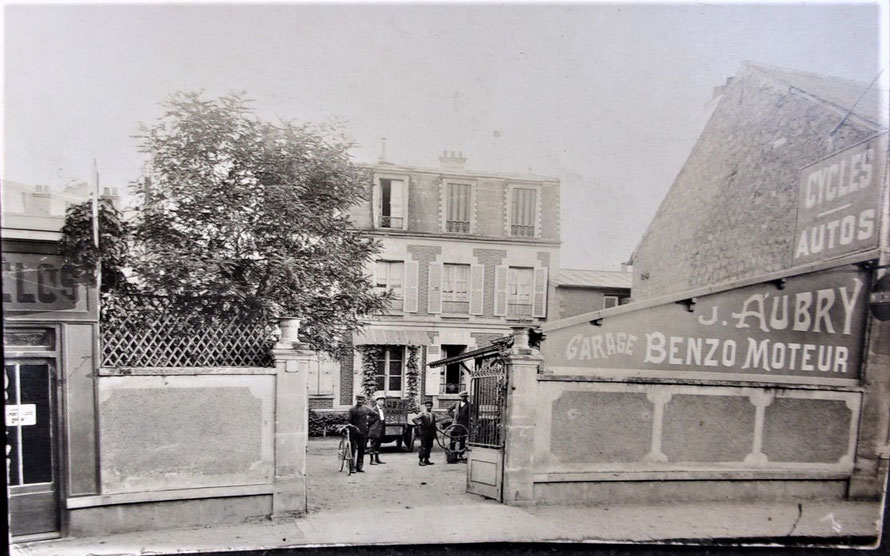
(454, 379)
(389, 367)
(610, 301)
(392, 210)
(458, 208)
(455, 288)
(388, 275)
(524, 212)
(520, 283)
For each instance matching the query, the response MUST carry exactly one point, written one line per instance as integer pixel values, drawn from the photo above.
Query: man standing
(460, 413)
(426, 430)
(377, 428)
(359, 415)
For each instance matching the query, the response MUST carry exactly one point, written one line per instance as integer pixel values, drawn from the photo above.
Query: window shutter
(477, 288)
(539, 308)
(500, 291)
(435, 289)
(410, 288)
(326, 369)
(431, 381)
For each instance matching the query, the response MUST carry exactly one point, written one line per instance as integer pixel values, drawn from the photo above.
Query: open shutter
(435, 289)
(431, 379)
(500, 291)
(477, 287)
(326, 369)
(410, 295)
(539, 308)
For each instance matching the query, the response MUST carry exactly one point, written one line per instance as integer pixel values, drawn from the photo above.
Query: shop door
(30, 445)
(485, 459)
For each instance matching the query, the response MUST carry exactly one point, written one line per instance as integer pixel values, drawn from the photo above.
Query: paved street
(402, 503)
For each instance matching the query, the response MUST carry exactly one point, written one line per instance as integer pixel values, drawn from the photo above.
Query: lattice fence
(142, 332)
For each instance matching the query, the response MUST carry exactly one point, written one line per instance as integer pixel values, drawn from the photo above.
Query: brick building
(730, 212)
(466, 255)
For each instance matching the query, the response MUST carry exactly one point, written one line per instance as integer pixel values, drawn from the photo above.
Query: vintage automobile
(399, 428)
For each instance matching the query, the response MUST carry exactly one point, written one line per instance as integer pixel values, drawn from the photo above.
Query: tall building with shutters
(466, 254)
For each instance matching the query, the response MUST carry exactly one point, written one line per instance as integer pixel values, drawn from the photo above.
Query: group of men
(369, 424)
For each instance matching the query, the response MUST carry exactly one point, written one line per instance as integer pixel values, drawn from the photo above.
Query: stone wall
(730, 213)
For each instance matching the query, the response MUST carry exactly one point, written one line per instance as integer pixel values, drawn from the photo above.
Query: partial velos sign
(839, 199)
(812, 328)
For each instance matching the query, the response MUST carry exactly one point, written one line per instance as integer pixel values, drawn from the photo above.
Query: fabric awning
(391, 337)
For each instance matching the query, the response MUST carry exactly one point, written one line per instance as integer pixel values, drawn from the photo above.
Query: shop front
(49, 342)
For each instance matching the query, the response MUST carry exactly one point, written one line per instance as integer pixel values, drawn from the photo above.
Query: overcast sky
(607, 97)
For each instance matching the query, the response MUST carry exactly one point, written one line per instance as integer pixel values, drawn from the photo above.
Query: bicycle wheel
(453, 433)
(342, 451)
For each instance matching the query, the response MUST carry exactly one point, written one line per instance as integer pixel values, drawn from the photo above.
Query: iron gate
(488, 392)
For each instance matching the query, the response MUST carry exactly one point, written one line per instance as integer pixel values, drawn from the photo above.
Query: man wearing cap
(460, 413)
(426, 430)
(377, 427)
(358, 417)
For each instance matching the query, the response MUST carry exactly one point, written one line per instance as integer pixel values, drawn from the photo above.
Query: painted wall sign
(812, 328)
(839, 199)
(35, 282)
(21, 415)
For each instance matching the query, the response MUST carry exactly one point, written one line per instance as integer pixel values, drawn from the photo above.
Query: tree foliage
(83, 256)
(239, 217)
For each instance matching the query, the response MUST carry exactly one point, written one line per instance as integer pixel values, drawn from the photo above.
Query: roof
(843, 94)
(460, 172)
(594, 278)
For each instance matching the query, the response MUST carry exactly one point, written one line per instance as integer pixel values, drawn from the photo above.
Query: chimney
(382, 158)
(452, 161)
(40, 201)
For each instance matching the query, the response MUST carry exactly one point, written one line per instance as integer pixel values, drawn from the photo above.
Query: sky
(608, 97)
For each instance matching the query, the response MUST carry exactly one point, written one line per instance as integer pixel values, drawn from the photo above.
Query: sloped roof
(594, 278)
(843, 94)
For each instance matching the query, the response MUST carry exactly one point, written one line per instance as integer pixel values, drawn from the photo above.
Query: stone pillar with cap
(522, 363)
(292, 363)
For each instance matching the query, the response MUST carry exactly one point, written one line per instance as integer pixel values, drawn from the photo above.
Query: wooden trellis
(141, 332)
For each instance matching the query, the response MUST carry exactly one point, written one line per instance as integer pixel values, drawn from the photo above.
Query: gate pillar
(292, 359)
(522, 364)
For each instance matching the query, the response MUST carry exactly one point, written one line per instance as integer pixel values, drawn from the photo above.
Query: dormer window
(391, 202)
(458, 208)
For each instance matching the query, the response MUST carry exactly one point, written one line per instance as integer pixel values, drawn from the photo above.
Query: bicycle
(454, 433)
(345, 451)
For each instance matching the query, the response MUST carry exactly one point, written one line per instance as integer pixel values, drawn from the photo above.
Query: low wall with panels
(166, 432)
(599, 432)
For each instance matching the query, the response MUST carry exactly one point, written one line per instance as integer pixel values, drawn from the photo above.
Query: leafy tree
(243, 218)
(82, 254)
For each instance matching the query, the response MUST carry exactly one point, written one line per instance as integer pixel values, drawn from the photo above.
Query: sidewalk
(489, 522)
(401, 503)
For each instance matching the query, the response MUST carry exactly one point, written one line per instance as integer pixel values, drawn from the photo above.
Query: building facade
(582, 291)
(465, 255)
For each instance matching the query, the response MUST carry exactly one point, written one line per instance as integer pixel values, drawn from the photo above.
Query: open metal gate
(488, 398)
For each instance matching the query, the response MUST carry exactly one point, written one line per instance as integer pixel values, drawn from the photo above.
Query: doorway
(31, 438)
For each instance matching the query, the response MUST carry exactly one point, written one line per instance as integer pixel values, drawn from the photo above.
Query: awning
(391, 337)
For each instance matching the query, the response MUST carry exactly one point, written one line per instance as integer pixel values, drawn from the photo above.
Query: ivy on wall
(370, 355)
(412, 379)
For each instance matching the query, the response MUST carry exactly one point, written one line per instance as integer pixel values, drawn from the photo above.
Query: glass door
(30, 445)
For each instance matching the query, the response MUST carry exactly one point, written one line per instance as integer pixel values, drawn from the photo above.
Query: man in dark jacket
(460, 413)
(426, 430)
(359, 415)
(377, 427)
